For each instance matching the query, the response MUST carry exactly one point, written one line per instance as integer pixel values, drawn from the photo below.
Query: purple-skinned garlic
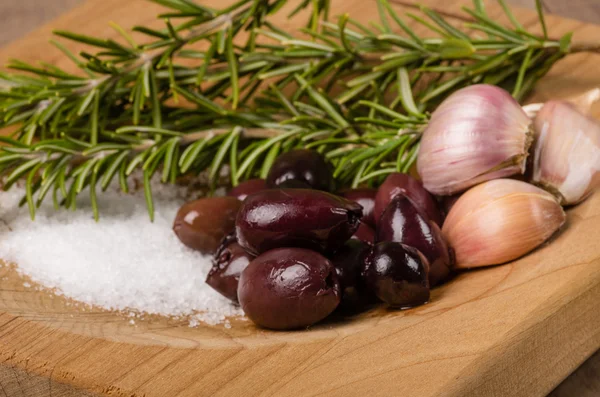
(499, 221)
(566, 152)
(477, 134)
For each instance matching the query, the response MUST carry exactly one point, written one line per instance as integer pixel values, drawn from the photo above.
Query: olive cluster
(293, 252)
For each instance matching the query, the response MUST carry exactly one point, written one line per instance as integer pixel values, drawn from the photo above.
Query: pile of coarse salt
(123, 262)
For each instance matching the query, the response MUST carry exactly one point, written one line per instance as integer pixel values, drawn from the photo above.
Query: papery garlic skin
(583, 103)
(499, 221)
(566, 152)
(477, 134)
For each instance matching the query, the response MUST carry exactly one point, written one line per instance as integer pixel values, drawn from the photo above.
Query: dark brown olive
(349, 262)
(202, 224)
(397, 274)
(294, 184)
(447, 202)
(301, 165)
(398, 183)
(289, 288)
(228, 263)
(364, 233)
(246, 188)
(296, 218)
(366, 198)
(401, 222)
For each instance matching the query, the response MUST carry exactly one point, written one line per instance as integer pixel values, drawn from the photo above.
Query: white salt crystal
(123, 262)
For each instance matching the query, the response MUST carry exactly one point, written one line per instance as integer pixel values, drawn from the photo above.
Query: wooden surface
(512, 330)
(18, 17)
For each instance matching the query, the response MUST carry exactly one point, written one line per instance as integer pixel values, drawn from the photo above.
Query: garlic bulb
(477, 134)
(499, 221)
(566, 154)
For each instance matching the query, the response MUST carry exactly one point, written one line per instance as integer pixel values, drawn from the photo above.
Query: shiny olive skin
(202, 224)
(364, 233)
(288, 288)
(398, 275)
(303, 218)
(398, 183)
(228, 263)
(401, 222)
(301, 165)
(246, 188)
(349, 261)
(366, 198)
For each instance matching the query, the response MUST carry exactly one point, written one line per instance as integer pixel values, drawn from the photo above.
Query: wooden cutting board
(512, 330)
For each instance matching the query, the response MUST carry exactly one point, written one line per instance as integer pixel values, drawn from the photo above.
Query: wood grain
(513, 330)
(18, 17)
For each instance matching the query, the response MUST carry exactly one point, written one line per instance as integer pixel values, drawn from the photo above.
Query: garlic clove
(499, 221)
(584, 103)
(477, 134)
(566, 152)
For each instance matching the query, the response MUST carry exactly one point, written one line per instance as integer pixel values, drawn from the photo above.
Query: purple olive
(366, 198)
(349, 262)
(296, 218)
(396, 184)
(397, 274)
(228, 263)
(247, 188)
(364, 233)
(202, 224)
(294, 184)
(447, 202)
(289, 288)
(301, 165)
(401, 222)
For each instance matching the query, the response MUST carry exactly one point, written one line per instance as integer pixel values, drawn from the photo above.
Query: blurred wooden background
(18, 17)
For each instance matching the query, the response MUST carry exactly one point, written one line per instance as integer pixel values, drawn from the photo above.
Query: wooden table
(18, 17)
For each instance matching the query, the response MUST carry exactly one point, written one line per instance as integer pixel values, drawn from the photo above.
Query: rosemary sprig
(359, 95)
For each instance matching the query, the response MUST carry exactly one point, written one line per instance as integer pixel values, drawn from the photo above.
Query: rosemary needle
(349, 90)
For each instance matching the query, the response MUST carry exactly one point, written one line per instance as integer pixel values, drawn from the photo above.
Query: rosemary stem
(585, 47)
(222, 21)
(360, 95)
(254, 133)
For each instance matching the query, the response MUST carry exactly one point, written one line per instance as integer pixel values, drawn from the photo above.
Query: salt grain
(123, 262)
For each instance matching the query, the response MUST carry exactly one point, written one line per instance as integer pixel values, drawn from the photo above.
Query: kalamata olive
(401, 222)
(397, 274)
(349, 262)
(228, 263)
(202, 224)
(289, 288)
(301, 165)
(364, 233)
(366, 198)
(447, 202)
(294, 184)
(246, 188)
(304, 218)
(398, 183)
